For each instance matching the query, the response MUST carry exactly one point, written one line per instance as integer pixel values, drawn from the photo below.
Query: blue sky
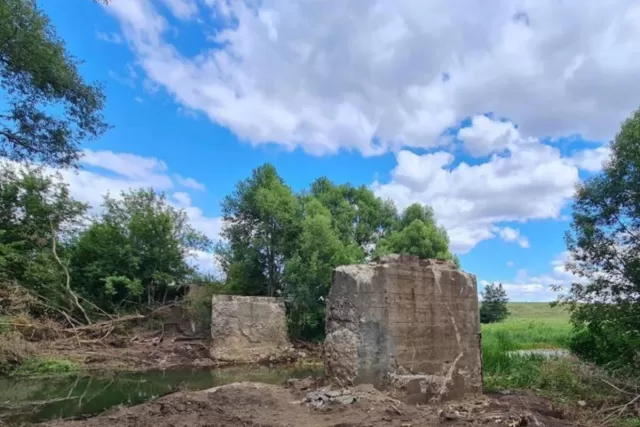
(490, 118)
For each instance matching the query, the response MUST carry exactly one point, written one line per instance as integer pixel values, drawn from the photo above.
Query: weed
(45, 366)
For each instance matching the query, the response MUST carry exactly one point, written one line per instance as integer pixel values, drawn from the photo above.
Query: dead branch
(66, 273)
(73, 327)
(109, 323)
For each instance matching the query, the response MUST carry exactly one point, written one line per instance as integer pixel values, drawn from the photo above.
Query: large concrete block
(247, 329)
(405, 324)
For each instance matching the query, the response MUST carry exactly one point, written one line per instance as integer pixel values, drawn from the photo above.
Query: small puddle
(548, 353)
(28, 400)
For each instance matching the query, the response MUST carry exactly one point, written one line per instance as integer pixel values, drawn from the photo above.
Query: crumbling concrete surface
(405, 324)
(247, 329)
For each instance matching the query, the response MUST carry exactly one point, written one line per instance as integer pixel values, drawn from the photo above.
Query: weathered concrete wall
(247, 329)
(406, 324)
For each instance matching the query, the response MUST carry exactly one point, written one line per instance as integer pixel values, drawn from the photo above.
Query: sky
(490, 112)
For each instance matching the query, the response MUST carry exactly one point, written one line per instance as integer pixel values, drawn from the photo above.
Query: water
(551, 353)
(24, 400)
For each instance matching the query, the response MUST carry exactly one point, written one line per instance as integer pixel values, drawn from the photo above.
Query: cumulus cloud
(394, 74)
(509, 234)
(532, 181)
(535, 288)
(486, 136)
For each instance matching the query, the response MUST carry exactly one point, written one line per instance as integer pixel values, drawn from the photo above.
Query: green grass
(45, 366)
(530, 326)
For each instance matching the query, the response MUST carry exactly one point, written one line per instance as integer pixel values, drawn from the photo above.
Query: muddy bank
(302, 403)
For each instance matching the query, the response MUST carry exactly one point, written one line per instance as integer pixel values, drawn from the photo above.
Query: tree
(38, 218)
(48, 109)
(137, 253)
(357, 215)
(604, 243)
(307, 273)
(416, 233)
(262, 225)
(494, 304)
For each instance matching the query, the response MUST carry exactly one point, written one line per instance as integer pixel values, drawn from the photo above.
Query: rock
(345, 399)
(243, 328)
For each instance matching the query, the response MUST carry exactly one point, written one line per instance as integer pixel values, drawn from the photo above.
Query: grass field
(530, 326)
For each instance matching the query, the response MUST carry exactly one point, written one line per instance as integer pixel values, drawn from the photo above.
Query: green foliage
(308, 272)
(45, 366)
(416, 233)
(35, 211)
(604, 243)
(136, 253)
(36, 74)
(494, 304)
(262, 224)
(278, 243)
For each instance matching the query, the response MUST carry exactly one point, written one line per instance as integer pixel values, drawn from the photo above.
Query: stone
(247, 329)
(406, 324)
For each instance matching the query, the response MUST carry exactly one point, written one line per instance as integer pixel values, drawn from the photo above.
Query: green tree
(494, 304)
(48, 109)
(604, 243)
(137, 253)
(358, 216)
(416, 233)
(38, 217)
(262, 225)
(307, 273)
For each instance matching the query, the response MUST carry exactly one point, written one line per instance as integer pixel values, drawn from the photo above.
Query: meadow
(529, 326)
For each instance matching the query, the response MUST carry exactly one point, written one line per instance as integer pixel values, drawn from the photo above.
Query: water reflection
(36, 399)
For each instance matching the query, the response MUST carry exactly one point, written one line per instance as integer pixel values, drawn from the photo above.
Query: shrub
(14, 350)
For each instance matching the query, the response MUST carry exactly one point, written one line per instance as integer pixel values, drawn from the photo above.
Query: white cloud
(182, 9)
(509, 234)
(395, 74)
(591, 160)
(531, 181)
(210, 226)
(532, 288)
(486, 136)
(510, 264)
(189, 183)
(109, 37)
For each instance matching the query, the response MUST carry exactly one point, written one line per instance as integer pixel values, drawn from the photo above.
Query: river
(25, 399)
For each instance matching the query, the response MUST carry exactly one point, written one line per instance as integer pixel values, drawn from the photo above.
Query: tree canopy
(281, 243)
(604, 243)
(48, 108)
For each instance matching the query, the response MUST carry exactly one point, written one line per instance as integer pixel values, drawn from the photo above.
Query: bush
(46, 366)
(494, 304)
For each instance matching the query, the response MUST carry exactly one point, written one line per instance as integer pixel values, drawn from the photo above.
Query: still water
(24, 400)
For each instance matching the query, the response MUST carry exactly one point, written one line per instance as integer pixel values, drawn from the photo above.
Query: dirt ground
(261, 405)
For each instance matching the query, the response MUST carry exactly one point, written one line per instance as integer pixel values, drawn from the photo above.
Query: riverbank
(296, 404)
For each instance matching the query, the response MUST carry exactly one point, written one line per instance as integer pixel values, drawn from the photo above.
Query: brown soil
(142, 349)
(260, 405)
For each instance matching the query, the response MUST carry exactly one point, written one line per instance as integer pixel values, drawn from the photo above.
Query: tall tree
(356, 213)
(308, 272)
(47, 109)
(136, 253)
(417, 234)
(262, 224)
(494, 304)
(38, 217)
(604, 243)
